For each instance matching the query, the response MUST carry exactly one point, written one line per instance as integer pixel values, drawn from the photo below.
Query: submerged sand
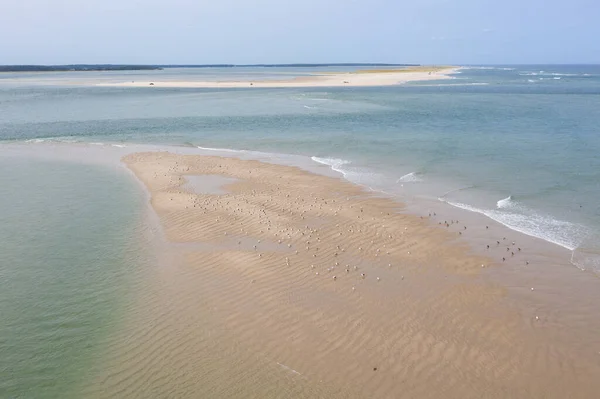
(328, 79)
(293, 284)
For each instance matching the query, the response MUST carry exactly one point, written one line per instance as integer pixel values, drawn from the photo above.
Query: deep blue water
(519, 144)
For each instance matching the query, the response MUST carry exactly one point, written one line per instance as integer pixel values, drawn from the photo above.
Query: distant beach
(376, 77)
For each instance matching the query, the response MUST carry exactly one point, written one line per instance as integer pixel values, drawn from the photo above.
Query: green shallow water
(67, 254)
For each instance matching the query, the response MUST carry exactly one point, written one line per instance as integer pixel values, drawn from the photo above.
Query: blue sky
(289, 31)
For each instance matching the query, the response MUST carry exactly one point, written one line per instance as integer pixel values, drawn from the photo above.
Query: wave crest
(218, 149)
(334, 163)
(411, 177)
(504, 203)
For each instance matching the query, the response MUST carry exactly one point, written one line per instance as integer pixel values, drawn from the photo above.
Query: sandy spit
(377, 78)
(292, 284)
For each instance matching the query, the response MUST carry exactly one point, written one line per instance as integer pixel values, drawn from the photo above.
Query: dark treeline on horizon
(78, 67)
(116, 67)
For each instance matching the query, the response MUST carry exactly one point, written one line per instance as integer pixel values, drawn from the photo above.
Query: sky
(299, 31)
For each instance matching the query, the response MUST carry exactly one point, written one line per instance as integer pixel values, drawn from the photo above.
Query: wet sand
(292, 284)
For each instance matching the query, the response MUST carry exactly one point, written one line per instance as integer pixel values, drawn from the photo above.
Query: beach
(361, 78)
(282, 282)
(125, 272)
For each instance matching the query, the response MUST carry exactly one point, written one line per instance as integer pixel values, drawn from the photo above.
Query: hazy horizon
(456, 32)
(300, 64)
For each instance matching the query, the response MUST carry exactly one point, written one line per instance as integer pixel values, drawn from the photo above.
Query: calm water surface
(67, 256)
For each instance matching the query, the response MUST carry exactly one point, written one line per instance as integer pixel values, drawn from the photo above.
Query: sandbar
(292, 284)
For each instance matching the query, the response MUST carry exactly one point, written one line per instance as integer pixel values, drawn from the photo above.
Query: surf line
(455, 190)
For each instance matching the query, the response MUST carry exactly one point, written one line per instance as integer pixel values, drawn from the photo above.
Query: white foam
(363, 177)
(565, 234)
(334, 163)
(52, 139)
(409, 178)
(505, 202)
(219, 149)
(542, 73)
(455, 84)
(302, 97)
(586, 259)
(490, 68)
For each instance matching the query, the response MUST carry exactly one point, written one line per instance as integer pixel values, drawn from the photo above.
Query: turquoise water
(67, 254)
(518, 144)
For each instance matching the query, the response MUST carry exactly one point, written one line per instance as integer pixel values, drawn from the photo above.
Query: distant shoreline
(127, 67)
(76, 68)
(367, 78)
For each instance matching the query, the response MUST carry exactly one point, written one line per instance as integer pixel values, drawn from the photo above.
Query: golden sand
(298, 285)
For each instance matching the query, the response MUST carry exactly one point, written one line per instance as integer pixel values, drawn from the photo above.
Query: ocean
(518, 145)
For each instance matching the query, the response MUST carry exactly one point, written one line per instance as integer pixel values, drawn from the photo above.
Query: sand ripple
(249, 307)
